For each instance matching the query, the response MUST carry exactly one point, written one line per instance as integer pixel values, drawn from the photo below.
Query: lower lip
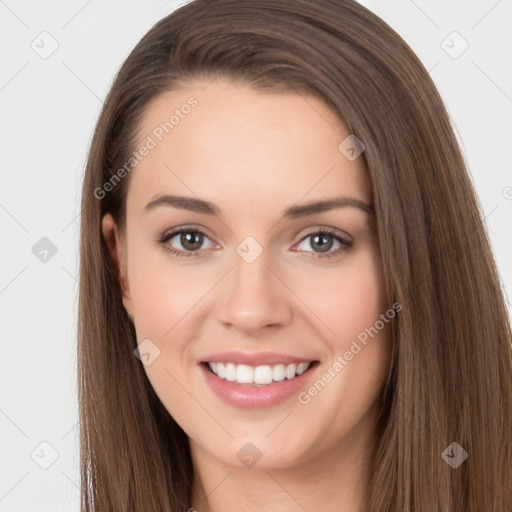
(251, 397)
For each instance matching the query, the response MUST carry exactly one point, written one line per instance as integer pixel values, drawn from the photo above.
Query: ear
(117, 252)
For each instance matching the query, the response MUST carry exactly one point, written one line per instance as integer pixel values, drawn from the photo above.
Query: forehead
(237, 146)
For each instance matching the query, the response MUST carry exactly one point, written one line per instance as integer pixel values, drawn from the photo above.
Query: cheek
(162, 292)
(363, 339)
(165, 297)
(361, 303)
(359, 353)
(363, 336)
(349, 298)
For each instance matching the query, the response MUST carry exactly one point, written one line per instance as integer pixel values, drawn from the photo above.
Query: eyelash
(346, 244)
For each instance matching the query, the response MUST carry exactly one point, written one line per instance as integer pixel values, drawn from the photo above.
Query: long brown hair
(451, 372)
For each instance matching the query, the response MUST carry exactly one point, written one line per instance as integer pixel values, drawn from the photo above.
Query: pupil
(320, 240)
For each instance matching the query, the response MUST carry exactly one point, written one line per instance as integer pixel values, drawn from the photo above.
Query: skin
(253, 154)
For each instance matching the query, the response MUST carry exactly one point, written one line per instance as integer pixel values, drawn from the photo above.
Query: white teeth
(261, 375)
(244, 374)
(290, 371)
(230, 372)
(278, 372)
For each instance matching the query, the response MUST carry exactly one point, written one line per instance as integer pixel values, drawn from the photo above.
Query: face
(262, 288)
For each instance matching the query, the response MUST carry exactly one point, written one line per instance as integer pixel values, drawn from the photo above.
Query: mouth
(262, 391)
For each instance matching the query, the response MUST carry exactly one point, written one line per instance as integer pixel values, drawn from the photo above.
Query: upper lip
(254, 358)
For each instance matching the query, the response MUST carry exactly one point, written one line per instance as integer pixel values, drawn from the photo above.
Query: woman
(288, 299)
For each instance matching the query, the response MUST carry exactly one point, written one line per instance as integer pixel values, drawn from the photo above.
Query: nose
(254, 295)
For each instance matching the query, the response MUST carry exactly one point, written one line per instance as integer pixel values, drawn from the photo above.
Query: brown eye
(191, 240)
(184, 242)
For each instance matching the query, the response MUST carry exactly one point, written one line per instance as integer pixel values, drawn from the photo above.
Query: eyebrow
(293, 212)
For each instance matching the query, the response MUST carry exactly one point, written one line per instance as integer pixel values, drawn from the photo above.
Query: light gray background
(48, 109)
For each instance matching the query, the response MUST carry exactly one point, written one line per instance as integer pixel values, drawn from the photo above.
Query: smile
(256, 387)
